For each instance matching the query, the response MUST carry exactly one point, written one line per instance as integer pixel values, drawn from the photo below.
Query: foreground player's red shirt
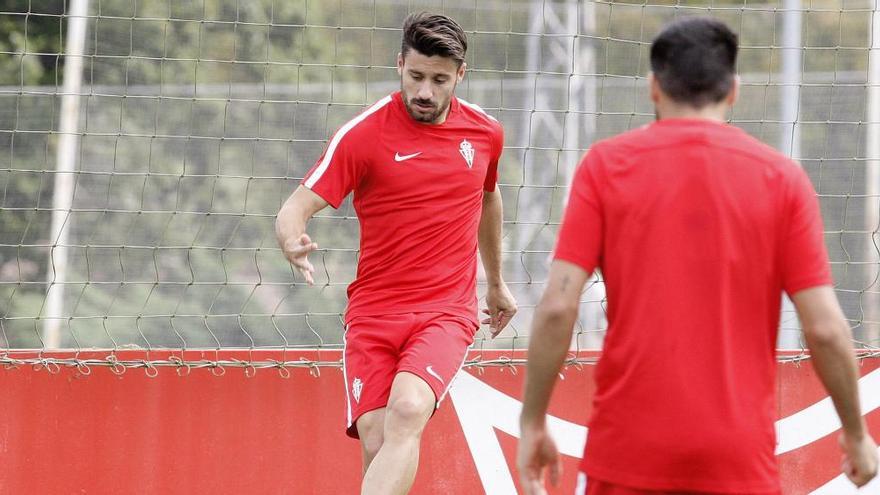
(697, 229)
(418, 193)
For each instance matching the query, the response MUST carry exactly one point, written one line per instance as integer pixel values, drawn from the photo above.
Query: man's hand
(501, 308)
(537, 452)
(859, 461)
(290, 229)
(297, 250)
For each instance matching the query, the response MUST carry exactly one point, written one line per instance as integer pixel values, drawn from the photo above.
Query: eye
(416, 77)
(440, 80)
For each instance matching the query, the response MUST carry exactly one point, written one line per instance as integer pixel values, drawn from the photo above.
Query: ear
(461, 71)
(734, 92)
(399, 64)
(654, 86)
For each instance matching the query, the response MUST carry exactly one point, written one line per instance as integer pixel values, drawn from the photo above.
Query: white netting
(197, 119)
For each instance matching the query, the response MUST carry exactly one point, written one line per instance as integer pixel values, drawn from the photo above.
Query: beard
(433, 111)
(430, 115)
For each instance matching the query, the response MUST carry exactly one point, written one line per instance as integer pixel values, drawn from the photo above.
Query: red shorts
(592, 486)
(431, 346)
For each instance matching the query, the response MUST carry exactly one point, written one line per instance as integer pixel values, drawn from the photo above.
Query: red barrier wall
(102, 433)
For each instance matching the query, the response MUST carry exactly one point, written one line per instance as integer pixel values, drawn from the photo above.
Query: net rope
(196, 121)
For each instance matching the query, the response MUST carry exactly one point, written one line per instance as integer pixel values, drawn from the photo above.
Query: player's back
(695, 217)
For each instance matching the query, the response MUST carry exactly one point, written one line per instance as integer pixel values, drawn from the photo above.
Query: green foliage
(199, 116)
(30, 41)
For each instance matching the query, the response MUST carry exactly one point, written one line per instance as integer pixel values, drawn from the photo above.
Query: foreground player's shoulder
(616, 148)
(750, 144)
(642, 136)
(624, 144)
(773, 160)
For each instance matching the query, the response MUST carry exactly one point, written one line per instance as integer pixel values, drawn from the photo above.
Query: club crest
(356, 387)
(467, 152)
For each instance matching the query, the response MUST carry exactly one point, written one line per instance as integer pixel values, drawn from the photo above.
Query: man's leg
(393, 468)
(370, 428)
(371, 354)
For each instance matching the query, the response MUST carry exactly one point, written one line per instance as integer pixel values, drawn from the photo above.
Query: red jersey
(697, 229)
(418, 194)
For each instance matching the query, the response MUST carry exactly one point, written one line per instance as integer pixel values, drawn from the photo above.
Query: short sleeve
(337, 171)
(803, 256)
(492, 170)
(580, 235)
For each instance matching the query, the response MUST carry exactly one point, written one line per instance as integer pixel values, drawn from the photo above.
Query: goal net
(145, 148)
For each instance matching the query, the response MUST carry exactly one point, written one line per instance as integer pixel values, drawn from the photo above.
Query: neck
(442, 118)
(715, 113)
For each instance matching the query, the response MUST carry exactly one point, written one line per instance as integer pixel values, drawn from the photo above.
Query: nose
(424, 91)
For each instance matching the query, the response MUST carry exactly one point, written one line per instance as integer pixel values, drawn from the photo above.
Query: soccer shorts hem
(432, 346)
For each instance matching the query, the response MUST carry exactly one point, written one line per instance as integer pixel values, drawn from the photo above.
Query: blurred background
(145, 147)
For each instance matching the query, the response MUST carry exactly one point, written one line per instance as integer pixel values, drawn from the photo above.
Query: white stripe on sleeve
(328, 156)
(477, 108)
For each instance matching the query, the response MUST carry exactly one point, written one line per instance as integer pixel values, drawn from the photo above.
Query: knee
(408, 414)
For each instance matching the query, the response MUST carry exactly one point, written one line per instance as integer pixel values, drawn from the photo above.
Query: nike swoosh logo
(399, 158)
(430, 370)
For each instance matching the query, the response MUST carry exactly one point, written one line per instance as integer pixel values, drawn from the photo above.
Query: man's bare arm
(500, 302)
(830, 341)
(552, 327)
(290, 229)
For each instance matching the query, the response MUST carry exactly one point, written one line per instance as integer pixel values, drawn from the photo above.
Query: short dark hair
(434, 34)
(694, 60)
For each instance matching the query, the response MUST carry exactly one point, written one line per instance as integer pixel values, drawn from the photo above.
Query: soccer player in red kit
(697, 228)
(422, 165)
